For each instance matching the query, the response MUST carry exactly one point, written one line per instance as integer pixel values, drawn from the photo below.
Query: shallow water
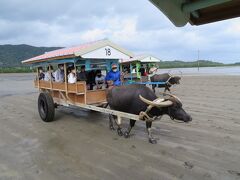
(204, 71)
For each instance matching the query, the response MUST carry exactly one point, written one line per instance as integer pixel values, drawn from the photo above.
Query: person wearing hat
(113, 77)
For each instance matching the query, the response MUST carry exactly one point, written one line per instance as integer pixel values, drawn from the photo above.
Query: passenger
(49, 74)
(69, 70)
(134, 69)
(82, 76)
(142, 70)
(153, 70)
(59, 73)
(41, 74)
(72, 78)
(99, 80)
(113, 77)
(91, 80)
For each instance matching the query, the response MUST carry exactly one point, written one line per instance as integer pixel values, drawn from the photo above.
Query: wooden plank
(44, 84)
(81, 86)
(94, 97)
(58, 86)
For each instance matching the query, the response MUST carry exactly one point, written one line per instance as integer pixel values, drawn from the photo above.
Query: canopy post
(38, 82)
(65, 79)
(75, 67)
(131, 72)
(51, 85)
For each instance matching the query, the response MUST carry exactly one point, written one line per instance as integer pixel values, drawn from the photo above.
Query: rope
(145, 117)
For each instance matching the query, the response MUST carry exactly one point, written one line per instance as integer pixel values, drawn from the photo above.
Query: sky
(136, 25)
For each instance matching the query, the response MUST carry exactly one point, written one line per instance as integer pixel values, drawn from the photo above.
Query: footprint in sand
(236, 173)
(188, 165)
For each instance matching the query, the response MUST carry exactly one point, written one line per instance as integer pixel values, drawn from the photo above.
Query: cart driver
(113, 77)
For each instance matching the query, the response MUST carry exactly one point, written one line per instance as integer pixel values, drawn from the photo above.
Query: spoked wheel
(46, 107)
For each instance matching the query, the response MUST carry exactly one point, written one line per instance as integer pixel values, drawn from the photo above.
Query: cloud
(136, 25)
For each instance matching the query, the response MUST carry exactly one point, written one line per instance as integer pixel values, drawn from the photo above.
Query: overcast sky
(134, 24)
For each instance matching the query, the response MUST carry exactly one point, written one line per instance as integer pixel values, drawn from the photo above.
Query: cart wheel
(46, 107)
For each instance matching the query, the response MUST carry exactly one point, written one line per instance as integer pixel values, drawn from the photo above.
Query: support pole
(65, 78)
(38, 82)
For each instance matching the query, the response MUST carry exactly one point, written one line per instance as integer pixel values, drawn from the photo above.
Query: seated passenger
(99, 80)
(59, 73)
(113, 77)
(142, 70)
(49, 74)
(153, 70)
(134, 69)
(82, 75)
(72, 78)
(91, 79)
(40, 73)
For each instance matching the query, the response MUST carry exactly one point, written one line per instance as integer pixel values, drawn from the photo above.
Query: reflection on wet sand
(79, 145)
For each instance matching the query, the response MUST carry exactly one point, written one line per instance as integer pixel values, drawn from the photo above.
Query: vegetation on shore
(16, 70)
(161, 65)
(183, 64)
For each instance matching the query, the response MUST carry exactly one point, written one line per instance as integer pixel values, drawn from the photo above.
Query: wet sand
(79, 145)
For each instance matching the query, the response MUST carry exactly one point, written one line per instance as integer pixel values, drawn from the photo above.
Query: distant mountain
(12, 55)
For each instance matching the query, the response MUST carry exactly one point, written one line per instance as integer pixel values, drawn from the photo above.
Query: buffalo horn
(157, 102)
(172, 96)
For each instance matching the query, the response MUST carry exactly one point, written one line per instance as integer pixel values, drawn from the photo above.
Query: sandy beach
(79, 144)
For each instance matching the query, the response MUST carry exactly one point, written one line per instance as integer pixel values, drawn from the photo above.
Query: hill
(12, 55)
(184, 64)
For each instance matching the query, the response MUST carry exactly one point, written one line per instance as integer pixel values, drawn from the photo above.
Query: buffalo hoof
(119, 131)
(111, 128)
(152, 141)
(126, 135)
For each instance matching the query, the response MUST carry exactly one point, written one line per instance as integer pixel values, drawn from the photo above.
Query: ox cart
(142, 70)
(97, 55)
(137, 70)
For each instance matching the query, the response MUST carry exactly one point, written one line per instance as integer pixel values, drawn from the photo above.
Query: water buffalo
(136, 99)
(166, 77)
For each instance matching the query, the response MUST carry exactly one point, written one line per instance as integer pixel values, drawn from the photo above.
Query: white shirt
(72, 78)
(100, 81)
(59, 75)
(47, 77)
